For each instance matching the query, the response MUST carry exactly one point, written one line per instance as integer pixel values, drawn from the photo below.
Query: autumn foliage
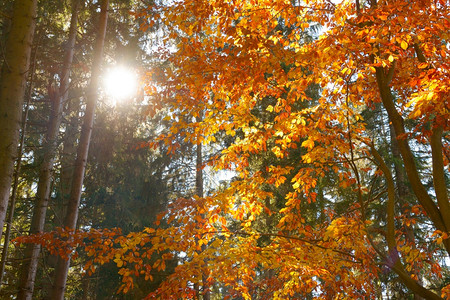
(324, 105)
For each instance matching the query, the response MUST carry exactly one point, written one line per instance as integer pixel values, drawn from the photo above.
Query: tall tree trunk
(67, 160)
(12, 88)
(15, 185)
(32, 251)
(199, 171)
(70, 221)
(199, 192)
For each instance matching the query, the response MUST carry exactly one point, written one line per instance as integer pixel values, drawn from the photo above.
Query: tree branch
(439, 175)
(390, 233)
(407, 155)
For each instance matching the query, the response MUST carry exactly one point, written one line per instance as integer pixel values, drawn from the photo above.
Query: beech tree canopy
(331, 121)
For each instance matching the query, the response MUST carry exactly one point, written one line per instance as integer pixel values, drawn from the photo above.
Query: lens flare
(120, 83)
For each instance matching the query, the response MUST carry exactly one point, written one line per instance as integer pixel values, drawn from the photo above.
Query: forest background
(274, 149)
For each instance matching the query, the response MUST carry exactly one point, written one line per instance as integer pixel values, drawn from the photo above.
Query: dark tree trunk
(32, 251)
(12, 204)
(435, 215)
(200, 193)
(12, 89)
(70, 220)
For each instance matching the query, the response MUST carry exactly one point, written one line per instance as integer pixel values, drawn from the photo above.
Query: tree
(224, 59)
(71, 217)
(366, 56)
(126, 186)
(18, 165)
(12, 89)
(58, 98)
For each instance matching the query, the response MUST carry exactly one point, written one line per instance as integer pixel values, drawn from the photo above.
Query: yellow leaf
(308, 144)
(404, 45)
(416, 113)
(422, 65)
(119, 262)
(391, 58)
(269, 108)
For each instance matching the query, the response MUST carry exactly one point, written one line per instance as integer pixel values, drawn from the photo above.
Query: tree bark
(440, 186)
(404, 196)
(199, 190)
(67, 160)
(12, 89)
(413, 176)
(12, 204)
(70, 221)
(32, 251)
(418, 188)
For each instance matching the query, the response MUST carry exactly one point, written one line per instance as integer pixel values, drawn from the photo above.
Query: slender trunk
(433, 211)
(404, 195)
(199, 192)
(70, 221)
(12, 204)
(440, 185)
(390, 206)
(396, 263)
(199, 171)
(413, 176)
(32, 251)
(68, 157)
(12, 88)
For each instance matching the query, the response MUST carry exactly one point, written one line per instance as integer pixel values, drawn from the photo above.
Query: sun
(120, 83)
